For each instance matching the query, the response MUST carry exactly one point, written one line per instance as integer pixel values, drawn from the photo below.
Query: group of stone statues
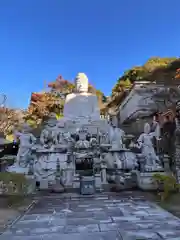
(55, 145)
(79, 136)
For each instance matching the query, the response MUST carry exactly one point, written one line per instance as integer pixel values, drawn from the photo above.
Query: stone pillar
(69, 175)
(103, 174)
(31, 166)
(166, 163)
(98, 181)
(76, 182)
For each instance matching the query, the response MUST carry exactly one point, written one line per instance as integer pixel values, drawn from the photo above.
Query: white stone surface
(152, 161)
(44, 184)
(27, 140)
(81, 104)
(81, 82)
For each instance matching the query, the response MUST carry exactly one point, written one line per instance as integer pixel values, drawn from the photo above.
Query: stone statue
(128, 160)
(44, 137)
(152, 162)
(82, 144)
(45, 167)
(116, 137)
(81, 104)
(93, 143)
(27, 140)
(104, 137)
(45, 164)
(48, 136)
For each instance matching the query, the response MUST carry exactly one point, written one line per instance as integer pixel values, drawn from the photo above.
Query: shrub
(13, 183)
(14, 187)
(165, 185)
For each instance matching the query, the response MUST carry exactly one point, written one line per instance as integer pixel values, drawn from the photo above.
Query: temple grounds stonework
(114, 216)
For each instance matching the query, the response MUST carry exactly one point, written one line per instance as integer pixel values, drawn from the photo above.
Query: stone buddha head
(81, 83)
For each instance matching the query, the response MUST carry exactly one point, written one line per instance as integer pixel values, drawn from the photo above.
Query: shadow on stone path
(102, 217)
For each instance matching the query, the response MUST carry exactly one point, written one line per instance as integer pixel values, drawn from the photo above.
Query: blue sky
(40, 39)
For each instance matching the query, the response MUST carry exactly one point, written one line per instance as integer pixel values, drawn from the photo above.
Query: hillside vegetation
(160, 70)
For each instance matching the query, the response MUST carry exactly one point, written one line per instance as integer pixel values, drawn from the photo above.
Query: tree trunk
(177, 151)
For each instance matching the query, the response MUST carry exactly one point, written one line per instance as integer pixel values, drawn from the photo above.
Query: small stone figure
(104, 138)
(93, 143)
(48, 136)
(44, 137)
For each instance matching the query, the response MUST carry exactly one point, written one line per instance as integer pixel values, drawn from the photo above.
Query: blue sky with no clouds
(40, 39)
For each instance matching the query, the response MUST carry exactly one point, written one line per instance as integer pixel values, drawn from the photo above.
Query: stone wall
(136, 127)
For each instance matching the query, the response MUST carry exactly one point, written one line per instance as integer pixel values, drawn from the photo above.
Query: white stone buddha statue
(81, 105)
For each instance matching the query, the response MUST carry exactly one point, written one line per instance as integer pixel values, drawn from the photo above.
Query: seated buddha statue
(81, 105)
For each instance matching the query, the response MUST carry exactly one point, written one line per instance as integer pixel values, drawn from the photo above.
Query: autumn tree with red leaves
(61, 85)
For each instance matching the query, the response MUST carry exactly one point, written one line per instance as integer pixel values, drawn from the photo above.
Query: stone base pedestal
(130, 180)
(98, 183)
(145, 180)
(31, 184)
(57, 188)
(44, 184)
(76, 182)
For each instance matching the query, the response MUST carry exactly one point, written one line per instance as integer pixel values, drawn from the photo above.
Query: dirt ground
(172, 204)
(11, 208)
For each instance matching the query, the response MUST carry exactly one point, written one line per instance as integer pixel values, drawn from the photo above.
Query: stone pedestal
(130, 180)
(44, 184)
(31, 184)
(68, 176)
(98, 184)
(145, 180)
(76, 181)
(87, 186)
(57, 187)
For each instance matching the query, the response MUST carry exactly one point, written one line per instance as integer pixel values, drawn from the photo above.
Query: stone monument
(81, 142)
(81, 105)
(27, 140)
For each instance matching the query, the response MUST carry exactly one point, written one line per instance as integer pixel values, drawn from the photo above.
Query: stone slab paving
(102, 217)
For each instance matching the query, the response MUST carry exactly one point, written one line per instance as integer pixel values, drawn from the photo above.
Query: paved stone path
(103, 217)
